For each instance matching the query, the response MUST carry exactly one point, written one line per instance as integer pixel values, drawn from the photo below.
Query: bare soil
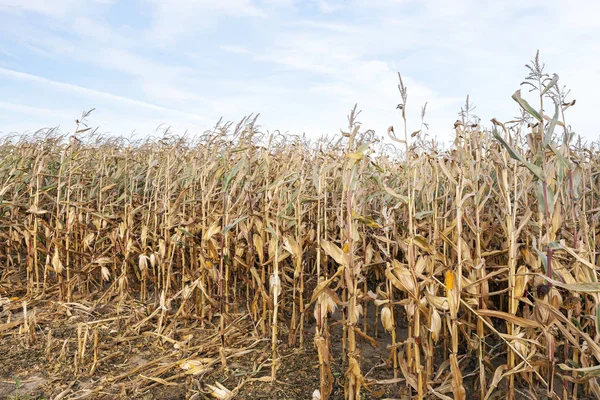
(133, 362)
(109, 348)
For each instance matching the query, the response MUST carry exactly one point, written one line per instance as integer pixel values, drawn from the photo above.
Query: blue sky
(302, 64)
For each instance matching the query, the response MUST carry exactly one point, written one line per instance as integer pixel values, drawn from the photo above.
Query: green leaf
(550, 193)
(537, 171)
(272, 232)
(369, 221)
(49, 187)
(588, 371)
(551, 126)
(423, 214)
(363, 147)
(378, 168)
(540, 195)
(234, 223)
(544, 259)
(550, 84)
(392, 193)
(566, 163)
(586, 287)
(186, 232)
(231, 174)
(525, 105)
(555, 245)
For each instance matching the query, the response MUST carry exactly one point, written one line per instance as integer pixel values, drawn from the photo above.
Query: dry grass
(227, 252)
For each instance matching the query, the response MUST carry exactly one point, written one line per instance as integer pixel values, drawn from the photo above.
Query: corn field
(473, 268)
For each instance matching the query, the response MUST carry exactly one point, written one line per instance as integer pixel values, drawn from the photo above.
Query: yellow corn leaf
(212, 230)
(335, 252)
(400, 277)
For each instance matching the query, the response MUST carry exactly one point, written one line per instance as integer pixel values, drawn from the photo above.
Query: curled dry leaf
(220, 392)
(457, 379)
(105, 273)
(335, 252)
(358, 311)
(57, 265)
(439, 302)
(520, 345)
(526, 323)
(435, 324)
(400, 277)
(143, 262)
(212, 230)
(498, 375)
(521, 281)
(386, 319)
(327, 303)
(542, 313)
(193, 367)
(275, 284)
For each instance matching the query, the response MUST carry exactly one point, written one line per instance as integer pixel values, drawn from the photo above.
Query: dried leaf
(526, 323)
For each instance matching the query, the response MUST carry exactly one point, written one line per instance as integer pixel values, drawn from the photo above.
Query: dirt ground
(112, 348)
(100, 350)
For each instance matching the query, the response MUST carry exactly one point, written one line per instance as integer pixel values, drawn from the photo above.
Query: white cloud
(330, 26)
(24, 109)
(346, 74)
(305, 64)
(54, 8)
(235, 49)
(279, 3)
(175, 19)
(89, 28)
(97, 47)
(7, 54)
(326, 7)
(94, 93)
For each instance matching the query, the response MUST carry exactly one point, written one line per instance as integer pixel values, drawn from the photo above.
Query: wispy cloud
(177, 19)
(327, 26)
(302, 64)
(24, 109)
(92, 92)
(235, 49)
(55, 8)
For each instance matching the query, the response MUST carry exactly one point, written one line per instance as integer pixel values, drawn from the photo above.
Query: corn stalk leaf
(233, 224)
(551, 126)
(586, 371)
(525, 105)
(524, 322)
(550, 84)
(392, 193)
(585, 287)
(540, 196)
(537, 171)
(335, 252)
(566, 163)
(597, 317)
